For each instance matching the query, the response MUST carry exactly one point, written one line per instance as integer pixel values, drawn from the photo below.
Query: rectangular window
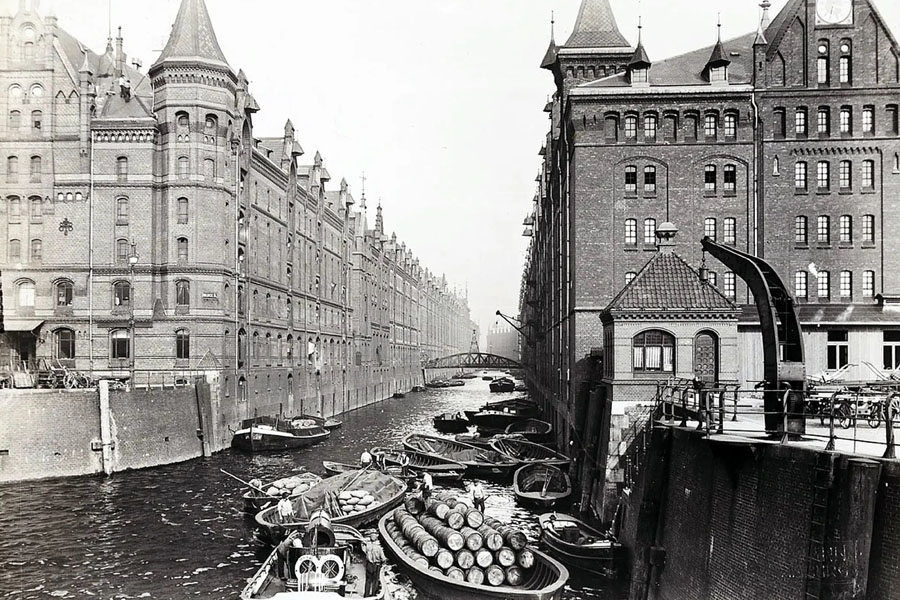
(122, 169)
(728, 284)
(780, 122)
(893, 119)
(12, 169)
(823, 230)
(650, 180)
(120, 344)
(800, 289)
(891, 350)
(713, 278)
(710, 125)
(729, 179)
(800, 230)
(630, 127)
(35, 169)
(691, 128)
(823, 174)
(612, 129)
(630, 180)
(182, 345)
(823, 121)
(709, 178)
(800, 121)
(630, 232)
(800, 176)
(868, 229)
(730, 125)
(838, 349)
(868, 284)
(868, 174)
(824, 284)
(650, 127)
(182, 211)
(822, 69)
(845, 69)
(37, 251)
(846, 229)
(846, 284)
(728, 230)
(121, 211)
(709, 228)
(845, 171)
(846, 119)
(37, 210)
(718, 74)
(649, 231)
(868, 119)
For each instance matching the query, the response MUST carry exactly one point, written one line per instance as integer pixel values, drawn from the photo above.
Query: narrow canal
(179, 532)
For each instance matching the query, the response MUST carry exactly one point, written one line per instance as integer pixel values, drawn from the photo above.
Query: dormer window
(640, 76)
(718, 74)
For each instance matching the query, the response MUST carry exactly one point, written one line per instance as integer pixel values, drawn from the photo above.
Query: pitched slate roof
(193, 37)
(667, 283)
(596, 27)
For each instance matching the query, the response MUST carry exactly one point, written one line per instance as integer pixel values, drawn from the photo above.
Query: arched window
(846, 62)
(630, 179)
(121, 211)
(64, 292)
(242, 347)
(25, 294)
(15, 250)
(654, 351)
(182, 344)
(649, 231)
(15, 209)
(122, 169)
(37, 118)
(182, 246)
(37, 251)
(12, 169)
(650, 126)
(182, 293)
(28, 51)
(65, 344)
(122, 251)
(182, 211)
(37, 208)
(710, 178)
(800, 182)
(120, 344)
(184, 167)
(15, 93)
(15, 120)
(182, 125)
(650, 180)
(209, 170)
(630, 127)
(121, 293)
(823, 62)
(35, 169)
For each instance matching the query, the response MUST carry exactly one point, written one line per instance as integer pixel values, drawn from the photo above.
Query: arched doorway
(706, 357)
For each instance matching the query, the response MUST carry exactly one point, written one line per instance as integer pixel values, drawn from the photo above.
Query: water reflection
(178, 531)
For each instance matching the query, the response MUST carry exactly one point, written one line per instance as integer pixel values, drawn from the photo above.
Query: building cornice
(662, 90)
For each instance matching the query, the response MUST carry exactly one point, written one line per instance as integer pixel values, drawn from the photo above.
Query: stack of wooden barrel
(449, 537)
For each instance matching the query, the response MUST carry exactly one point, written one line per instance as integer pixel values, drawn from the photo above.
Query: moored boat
(477, 461)
(528, 452)
(581, 546)
(325, 562)
(450, 422)
(418, 388)
(439, 468)
(545, 581)
(329, 423)
(520, 405)
(274, 433)
(495, 420)
(255, 500)
(503, 384)
(534, 430)
(336, 468)
(332, 494)
(541, 485)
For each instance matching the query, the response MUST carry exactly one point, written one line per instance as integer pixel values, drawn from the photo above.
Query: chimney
(665, 238)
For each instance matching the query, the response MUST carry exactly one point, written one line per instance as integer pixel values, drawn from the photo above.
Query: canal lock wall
(62, 433)
(707, 519)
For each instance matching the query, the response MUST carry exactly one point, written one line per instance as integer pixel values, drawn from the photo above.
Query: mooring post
(890, 451)
(829, 447)
(105, 429)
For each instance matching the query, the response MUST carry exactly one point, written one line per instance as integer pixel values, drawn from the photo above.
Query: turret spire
(596, 27)
(765, 20)
(193, 38)
(552, 49)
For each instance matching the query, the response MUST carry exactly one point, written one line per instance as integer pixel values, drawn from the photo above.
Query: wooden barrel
(474, 540)
(525, 558)
(495, 575)
(514, 538)
(456, 574)
(505, 556)
(484, 558)
(474, 518)
(475, 575)
(435, 569)
(426, 544)
(417, 535)
(455, 520)
(514, 576)
(449, 538)
(437, 508)
(444, 559)
(465, 559)
(414, 505)
(492, 538)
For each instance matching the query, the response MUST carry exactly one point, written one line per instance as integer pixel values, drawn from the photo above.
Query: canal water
(179, 532)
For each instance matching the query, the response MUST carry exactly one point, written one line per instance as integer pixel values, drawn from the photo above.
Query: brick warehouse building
(783, 142)
(144, 204)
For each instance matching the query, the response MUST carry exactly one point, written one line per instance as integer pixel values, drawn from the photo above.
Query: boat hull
(255, 440)
(450, 425)
(540, 499)
(438, 587)
(600, 561)
(481, 468)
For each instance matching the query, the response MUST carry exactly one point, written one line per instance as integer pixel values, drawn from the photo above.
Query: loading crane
(784, 371)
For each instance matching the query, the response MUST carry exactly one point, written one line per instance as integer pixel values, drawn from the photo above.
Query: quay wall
(57, 433)
(734, 520)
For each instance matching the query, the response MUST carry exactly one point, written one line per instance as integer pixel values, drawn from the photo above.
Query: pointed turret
(596, 27)
(193, 38)
(640, 63)
(379, 222)
(716, 69)
(765, 21)
(552, 49)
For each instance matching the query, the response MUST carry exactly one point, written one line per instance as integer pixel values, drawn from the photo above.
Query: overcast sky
(439, 102)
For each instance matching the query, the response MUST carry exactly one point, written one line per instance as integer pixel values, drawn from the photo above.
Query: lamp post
(132, 261)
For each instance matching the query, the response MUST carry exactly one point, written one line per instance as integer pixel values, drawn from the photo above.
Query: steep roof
(596, 27)
(193, 37)
(667, 283)
(688, 69)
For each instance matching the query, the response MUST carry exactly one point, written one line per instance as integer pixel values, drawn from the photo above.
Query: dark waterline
(178, 531)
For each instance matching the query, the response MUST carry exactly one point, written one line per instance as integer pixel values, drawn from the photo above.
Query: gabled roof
(115, 107)
(667, 283)
(193, 37)
(687, 69)
(596, 27)
(639, 58)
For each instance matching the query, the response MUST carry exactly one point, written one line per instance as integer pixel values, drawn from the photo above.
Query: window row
(15, 251)
(710, 229)
(17, 94)
(12, 169)
(823, 233)
(648, 127)
(34, 125)
(822, 282)
(35, 208)
(845, 121)
(654, 351)
(824, 175)
(121, 344)
(64, 292)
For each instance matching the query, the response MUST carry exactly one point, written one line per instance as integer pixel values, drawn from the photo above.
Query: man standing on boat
(285, 508)
(478, 496)
(374, 560)
(365, 459)
(427, 486)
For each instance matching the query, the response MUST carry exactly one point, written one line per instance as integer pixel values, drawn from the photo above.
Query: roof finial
(764, 20)
(640, 26)
(719, 26)
(552, 25)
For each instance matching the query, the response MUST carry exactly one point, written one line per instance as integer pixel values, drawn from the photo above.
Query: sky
(439, 102)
